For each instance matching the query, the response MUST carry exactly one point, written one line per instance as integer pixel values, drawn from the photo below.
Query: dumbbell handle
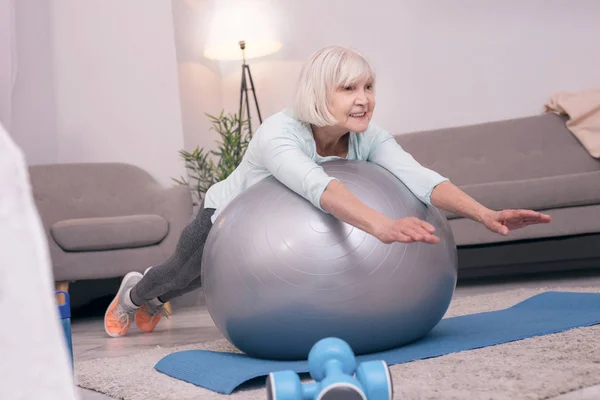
(334, 367)
(310, 390)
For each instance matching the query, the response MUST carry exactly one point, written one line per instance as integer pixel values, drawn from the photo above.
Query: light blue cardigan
(285, 148)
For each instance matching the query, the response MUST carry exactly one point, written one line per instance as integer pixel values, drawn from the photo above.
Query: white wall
(439, 63)
(97, 82)
(117, 93)
(33, 117)
(200, 88)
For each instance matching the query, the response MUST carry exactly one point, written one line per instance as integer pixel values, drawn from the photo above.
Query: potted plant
(205, 168)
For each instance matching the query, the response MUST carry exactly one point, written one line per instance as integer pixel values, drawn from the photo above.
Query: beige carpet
(535, 368)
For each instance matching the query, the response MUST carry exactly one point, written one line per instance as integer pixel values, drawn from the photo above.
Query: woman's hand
(407, 230)
(506, 220)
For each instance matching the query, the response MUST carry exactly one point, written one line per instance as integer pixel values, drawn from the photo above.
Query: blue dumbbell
(332, 364)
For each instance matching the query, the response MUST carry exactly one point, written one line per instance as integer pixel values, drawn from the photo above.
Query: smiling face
(352, 105)
(336, 91)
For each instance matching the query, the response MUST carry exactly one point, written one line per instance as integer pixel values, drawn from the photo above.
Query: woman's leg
(193, 285)
(139, 294)
(181, 269)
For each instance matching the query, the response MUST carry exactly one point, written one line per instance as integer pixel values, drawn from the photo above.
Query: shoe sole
(117, 297)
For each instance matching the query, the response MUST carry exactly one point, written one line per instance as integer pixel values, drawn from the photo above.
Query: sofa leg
(60, 298)
(168, 307)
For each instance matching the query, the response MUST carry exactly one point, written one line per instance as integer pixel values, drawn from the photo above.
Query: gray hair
(327, 70)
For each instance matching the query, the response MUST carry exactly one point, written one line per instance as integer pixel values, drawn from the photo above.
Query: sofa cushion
(538, 194)
(111, 233)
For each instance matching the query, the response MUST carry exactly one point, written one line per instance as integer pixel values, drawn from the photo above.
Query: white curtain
(8, 60)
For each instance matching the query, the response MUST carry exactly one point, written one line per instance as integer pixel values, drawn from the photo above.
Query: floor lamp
(246, 26)
(244, 100)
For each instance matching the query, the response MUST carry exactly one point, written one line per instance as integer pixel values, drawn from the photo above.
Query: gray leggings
(181, 272)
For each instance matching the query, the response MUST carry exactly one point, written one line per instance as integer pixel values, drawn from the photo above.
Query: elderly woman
(330, 119)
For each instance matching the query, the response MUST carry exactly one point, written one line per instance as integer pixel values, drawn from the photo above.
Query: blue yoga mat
(543, 314)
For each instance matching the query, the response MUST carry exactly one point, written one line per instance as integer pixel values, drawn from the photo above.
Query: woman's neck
(331, 141)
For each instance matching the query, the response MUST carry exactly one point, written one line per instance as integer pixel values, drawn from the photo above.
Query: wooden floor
(193, 324)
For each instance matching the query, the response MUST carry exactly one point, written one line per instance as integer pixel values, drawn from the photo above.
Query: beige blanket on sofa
(583, 110)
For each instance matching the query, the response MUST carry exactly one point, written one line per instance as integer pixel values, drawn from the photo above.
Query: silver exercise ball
(279, 274)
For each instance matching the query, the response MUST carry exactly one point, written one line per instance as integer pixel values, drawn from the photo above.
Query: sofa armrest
(174, 204)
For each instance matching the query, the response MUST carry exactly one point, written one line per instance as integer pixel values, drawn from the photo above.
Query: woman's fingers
(410, 230)
(534, 215)
(404, 238)
(423, 224)
(423, 231)
(528, 215)
(428, 227)
(413, 233)
(432, 239)
(499, 228)
(419, 234)
(528, 220)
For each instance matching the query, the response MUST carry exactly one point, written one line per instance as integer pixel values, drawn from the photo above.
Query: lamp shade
(246, 21)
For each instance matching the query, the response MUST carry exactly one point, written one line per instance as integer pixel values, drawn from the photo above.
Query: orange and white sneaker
(149, 315)
(119, 314)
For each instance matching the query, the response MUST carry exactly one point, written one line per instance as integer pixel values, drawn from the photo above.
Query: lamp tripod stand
(244, 101)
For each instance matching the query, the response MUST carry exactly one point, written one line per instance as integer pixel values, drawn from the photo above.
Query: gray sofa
(103, 220)
(534, 163)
